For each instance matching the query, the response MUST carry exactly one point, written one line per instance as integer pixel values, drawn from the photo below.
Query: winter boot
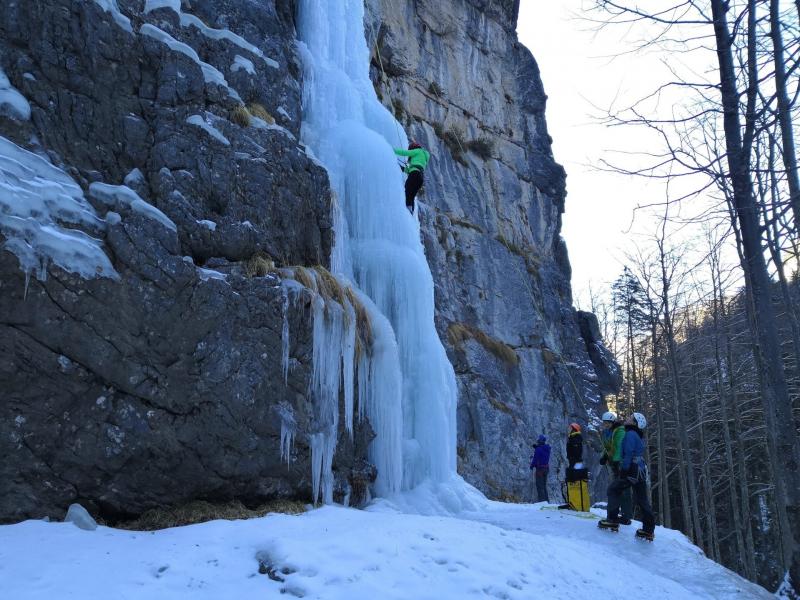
(609, 525)
(644, 535)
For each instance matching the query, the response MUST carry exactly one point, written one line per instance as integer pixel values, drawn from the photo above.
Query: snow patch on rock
(188, 20)
(37, 203)
(198, 121)
(12, 103)
(119, 195)
(210, 73)
(110, 6)
(208, 224)
(242, 63)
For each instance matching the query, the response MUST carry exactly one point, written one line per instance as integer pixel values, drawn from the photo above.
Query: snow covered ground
(503, 551)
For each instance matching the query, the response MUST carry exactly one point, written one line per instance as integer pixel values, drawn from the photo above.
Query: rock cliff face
(165, 384)
(165, 380)
(459, 80)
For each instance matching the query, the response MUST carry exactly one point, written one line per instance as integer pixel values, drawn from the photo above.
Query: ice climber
(613, 434)
(540, 464)
(575, 446)
(418, 159)
(632, 475)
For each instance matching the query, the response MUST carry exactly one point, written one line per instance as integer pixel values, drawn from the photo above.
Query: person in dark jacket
(632, 475)
(540, 462)
(574, 446)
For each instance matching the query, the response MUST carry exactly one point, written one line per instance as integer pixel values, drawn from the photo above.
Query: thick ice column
(377, 244)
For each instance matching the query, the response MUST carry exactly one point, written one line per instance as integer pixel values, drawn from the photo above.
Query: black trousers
(413, 184)
(615, 492)
(541, 485)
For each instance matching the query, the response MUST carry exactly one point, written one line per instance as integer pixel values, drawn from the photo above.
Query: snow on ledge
(242, 63)
(198, 121)
(188, 20)
(12, 103)
(37, 201)
(115, 195)
(208, 224)
(110, 6)
(206, 274)
(210, 73)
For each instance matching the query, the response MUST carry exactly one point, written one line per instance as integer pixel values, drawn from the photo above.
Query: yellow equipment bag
(578, 495)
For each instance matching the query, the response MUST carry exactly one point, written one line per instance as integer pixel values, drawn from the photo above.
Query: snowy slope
(503, 551)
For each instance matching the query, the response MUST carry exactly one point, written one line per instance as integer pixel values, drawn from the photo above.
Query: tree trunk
(785, 111)
(664, 499)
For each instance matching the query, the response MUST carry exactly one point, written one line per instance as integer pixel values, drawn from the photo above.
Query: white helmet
(609, 416)
(641, 422)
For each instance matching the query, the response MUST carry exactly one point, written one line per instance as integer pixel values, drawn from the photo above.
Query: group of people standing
(623, 442)
(623, 454)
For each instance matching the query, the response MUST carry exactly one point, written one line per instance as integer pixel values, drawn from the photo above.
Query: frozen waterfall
(378, 249)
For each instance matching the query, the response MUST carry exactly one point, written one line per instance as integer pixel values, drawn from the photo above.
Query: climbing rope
(385, 77)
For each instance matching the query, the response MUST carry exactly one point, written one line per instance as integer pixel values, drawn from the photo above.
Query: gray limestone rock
(166, 385)
(459, 80)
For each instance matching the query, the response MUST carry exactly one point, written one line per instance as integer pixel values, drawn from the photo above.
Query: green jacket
(417, 158)
(616, 443)
(612, 443)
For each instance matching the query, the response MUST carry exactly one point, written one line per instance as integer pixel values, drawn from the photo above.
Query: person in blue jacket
(632, 475)
(540, 462)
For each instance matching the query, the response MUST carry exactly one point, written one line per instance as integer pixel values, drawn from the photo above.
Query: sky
(583, 75)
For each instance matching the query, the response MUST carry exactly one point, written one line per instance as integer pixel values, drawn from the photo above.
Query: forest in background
(705, 315)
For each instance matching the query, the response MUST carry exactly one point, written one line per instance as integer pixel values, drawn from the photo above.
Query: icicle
(348, 364)
(288, 429)
(285, 335)
(326, 379)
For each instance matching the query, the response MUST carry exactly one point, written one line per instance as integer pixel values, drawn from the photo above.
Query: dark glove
(604, 460)
(615, 467)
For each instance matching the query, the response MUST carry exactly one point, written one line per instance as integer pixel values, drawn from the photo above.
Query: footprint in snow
(294, 590)
(514, 584)
(160, 571)
(495, 593)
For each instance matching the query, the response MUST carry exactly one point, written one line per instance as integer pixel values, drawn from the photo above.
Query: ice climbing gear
(608, 525)
(645, 535)
(609, 416)
(413, 145)
(575, 427)
(576, 490)
(641, 422)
